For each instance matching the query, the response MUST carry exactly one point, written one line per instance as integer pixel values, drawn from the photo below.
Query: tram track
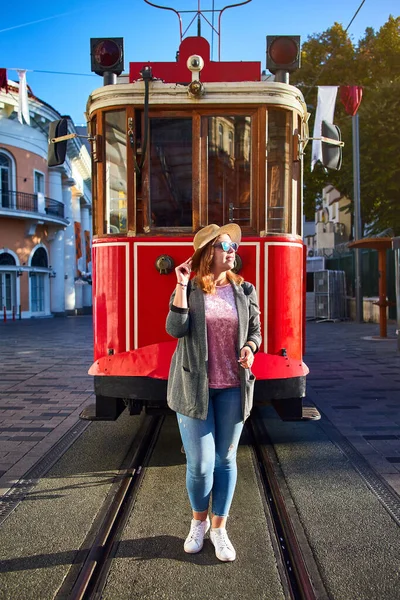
(102, 541)
(302, 575)
(93, 574)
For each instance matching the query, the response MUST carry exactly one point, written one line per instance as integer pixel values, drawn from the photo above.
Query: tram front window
(115, 185)
(171, 172)
(229, 169)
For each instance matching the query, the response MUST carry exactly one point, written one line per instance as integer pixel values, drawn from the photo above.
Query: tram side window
(115, 185)
(171, 172)
(279, 214)
(229, 169)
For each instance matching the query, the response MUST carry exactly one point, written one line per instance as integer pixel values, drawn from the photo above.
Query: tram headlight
(283, 53)
(195, 63)
(107, 55)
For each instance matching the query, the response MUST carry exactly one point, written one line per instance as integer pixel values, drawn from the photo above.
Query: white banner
(325, 111)
(23, 104)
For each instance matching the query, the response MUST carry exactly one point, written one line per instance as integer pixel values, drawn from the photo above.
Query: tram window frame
(298, 171)
(108, 112)
(286, 181)
(255, 112)
(98, 130)
(92, 131)
(147, 226)
(136, 226)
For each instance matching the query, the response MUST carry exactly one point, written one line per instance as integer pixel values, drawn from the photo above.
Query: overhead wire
(354, 16)
(312, 85)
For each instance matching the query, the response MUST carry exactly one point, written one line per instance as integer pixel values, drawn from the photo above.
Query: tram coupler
(135, 406)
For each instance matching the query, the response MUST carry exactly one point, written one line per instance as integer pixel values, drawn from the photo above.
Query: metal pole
(396, 248)
(357, 218)
(382, 293)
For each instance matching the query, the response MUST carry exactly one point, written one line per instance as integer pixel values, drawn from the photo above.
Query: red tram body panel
(131, 299)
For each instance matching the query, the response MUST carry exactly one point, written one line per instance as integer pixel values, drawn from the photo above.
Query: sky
(47, 36)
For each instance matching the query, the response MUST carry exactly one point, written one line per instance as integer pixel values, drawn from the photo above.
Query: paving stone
(52, 378)
(370, 373)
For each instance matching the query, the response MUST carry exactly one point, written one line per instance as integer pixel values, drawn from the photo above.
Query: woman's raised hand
(183, 272)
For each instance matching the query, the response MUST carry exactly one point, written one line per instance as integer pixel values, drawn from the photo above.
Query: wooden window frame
(148, 228)
(291, 217)
(257, 190)
(257, 225)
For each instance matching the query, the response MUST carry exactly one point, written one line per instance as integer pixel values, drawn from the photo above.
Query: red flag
(351, 95)
(3, 80)
(78, 241)
(87, 248)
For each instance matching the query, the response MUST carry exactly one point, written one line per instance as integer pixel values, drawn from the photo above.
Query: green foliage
(331, 58)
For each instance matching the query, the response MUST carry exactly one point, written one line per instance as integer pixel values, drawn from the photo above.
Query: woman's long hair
(204, 278)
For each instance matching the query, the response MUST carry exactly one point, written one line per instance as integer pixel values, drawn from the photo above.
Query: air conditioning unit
(315, 263)
(330, 294)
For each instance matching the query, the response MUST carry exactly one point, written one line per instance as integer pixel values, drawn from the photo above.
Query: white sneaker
(194, 541)
(223, 548)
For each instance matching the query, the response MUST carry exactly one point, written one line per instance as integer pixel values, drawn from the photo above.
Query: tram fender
(148, 361)
(154, 361)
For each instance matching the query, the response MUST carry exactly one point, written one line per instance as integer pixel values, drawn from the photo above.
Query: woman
(215, 317)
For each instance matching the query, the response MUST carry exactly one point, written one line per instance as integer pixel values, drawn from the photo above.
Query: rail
(22, 201)
(92, 578)
(287, 533)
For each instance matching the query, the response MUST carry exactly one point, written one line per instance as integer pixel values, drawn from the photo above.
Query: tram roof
(221, 94)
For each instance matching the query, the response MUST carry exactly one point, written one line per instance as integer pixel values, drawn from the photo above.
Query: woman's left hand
(246, 357)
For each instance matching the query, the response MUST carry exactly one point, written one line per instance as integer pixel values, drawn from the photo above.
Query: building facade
(45, 216)
(333, 225)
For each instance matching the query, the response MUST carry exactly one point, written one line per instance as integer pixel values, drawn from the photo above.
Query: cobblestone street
(43, 388)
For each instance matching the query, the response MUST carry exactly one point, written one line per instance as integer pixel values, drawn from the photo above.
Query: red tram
(178, 145)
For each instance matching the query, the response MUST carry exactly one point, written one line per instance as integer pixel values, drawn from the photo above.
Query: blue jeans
(211, 448)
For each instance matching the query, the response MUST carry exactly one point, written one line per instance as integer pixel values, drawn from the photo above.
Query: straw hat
(209, 233)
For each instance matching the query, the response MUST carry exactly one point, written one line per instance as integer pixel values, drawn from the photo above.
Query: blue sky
(50, 37)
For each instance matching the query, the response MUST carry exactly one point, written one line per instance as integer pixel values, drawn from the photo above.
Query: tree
(331, 58)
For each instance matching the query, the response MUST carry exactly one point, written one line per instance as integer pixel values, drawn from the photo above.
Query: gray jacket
(188, 377)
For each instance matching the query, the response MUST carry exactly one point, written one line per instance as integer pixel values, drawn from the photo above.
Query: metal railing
(29, 203)
(53, 207)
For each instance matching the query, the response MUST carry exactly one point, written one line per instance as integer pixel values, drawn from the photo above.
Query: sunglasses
(226, 246)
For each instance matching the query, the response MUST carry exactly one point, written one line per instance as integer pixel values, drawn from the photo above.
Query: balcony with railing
(13, 202)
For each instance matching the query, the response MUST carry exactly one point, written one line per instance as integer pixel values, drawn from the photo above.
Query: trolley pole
(357, 218)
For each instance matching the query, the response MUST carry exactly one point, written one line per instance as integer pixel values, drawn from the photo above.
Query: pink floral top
(222, 337)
